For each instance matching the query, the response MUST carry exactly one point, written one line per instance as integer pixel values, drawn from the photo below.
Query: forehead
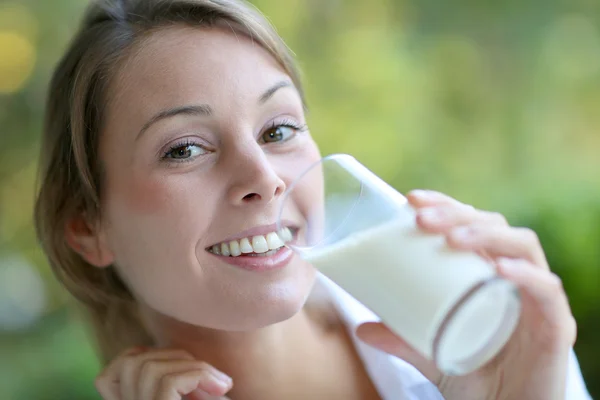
(181, 65)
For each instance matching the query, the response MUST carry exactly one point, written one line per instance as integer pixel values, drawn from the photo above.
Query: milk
(412, 280)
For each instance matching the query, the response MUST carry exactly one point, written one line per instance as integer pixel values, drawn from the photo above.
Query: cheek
(295, 163)
(155, 222)
(161, 208)
(307, 197)
(155, 227)
(310, 189)
(146, 196)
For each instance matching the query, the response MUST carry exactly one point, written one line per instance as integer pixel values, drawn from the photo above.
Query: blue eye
(184, 152)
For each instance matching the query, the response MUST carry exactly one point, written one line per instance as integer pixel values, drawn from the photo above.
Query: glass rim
(474, 360)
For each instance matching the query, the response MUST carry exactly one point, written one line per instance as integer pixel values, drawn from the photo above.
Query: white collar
(394, 379)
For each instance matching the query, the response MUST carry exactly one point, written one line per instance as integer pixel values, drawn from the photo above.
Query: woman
(173, 128)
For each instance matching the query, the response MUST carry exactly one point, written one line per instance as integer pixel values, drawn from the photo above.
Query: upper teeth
(255, 244)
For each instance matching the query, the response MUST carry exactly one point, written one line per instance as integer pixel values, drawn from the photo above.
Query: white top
(396, 379)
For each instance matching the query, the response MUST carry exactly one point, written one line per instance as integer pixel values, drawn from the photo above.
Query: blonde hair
(70, 171)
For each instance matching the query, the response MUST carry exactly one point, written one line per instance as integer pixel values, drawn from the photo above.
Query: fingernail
(462, 234)
(430, 215)
(223, 379)
(507, 265)
(420, 193)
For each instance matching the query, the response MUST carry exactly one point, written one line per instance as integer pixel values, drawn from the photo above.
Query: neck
(280, 351)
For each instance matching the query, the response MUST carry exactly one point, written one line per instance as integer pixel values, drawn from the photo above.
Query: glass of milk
(361, 233)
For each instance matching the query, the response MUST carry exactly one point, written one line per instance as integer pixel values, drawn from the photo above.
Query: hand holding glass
(361, 233)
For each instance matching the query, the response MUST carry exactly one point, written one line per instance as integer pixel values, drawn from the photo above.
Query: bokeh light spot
(22, 294)
(17, 59)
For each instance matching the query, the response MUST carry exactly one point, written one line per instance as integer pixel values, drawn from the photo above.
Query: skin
(159, 216)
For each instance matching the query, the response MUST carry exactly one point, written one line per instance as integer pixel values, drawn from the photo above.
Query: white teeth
(267, 254)
(245, 246)
(234, 247)
(225, 250)
(286, 235)
(274, 241)
(259, 244)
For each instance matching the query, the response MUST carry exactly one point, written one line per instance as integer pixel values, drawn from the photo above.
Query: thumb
(381, 337)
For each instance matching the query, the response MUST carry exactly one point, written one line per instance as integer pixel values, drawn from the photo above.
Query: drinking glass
(357, 230)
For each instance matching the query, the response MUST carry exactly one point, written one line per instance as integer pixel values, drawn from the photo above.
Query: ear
(88, 242)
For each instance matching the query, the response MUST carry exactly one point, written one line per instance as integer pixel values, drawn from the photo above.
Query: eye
(281, 132)
(184, 152)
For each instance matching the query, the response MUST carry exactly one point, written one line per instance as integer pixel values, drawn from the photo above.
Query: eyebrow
(271, 91)
(204, 110)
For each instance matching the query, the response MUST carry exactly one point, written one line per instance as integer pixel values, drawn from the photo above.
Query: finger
(107, 389)
(440, 219)
(430, 198)
(202, 395)
(545, 290)
(132, 364)
(153, 372)
(174, 386)
(381, 337)
(499, 241)
(108, 382)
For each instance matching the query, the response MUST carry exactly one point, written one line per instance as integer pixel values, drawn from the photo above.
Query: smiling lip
(259, 230)
(260, 264)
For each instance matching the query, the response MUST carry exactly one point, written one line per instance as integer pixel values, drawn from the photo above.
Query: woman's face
(204, 132)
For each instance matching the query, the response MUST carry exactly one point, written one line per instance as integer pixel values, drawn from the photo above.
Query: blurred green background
(494, 102)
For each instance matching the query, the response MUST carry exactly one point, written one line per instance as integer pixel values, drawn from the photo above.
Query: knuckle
(530, 236)
(182, 354)
(128, 363)
(464, 207)
(555, 283)
(202, 365)
(149, 369)
(574, 330)
(498, 218)
(167, 383)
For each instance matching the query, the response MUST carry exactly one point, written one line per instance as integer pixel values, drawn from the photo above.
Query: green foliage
(495, 103)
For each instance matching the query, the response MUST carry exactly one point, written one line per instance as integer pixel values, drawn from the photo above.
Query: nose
(254, 178)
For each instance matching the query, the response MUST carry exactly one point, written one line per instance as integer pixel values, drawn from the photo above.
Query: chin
(271, 303)
(237, 305)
